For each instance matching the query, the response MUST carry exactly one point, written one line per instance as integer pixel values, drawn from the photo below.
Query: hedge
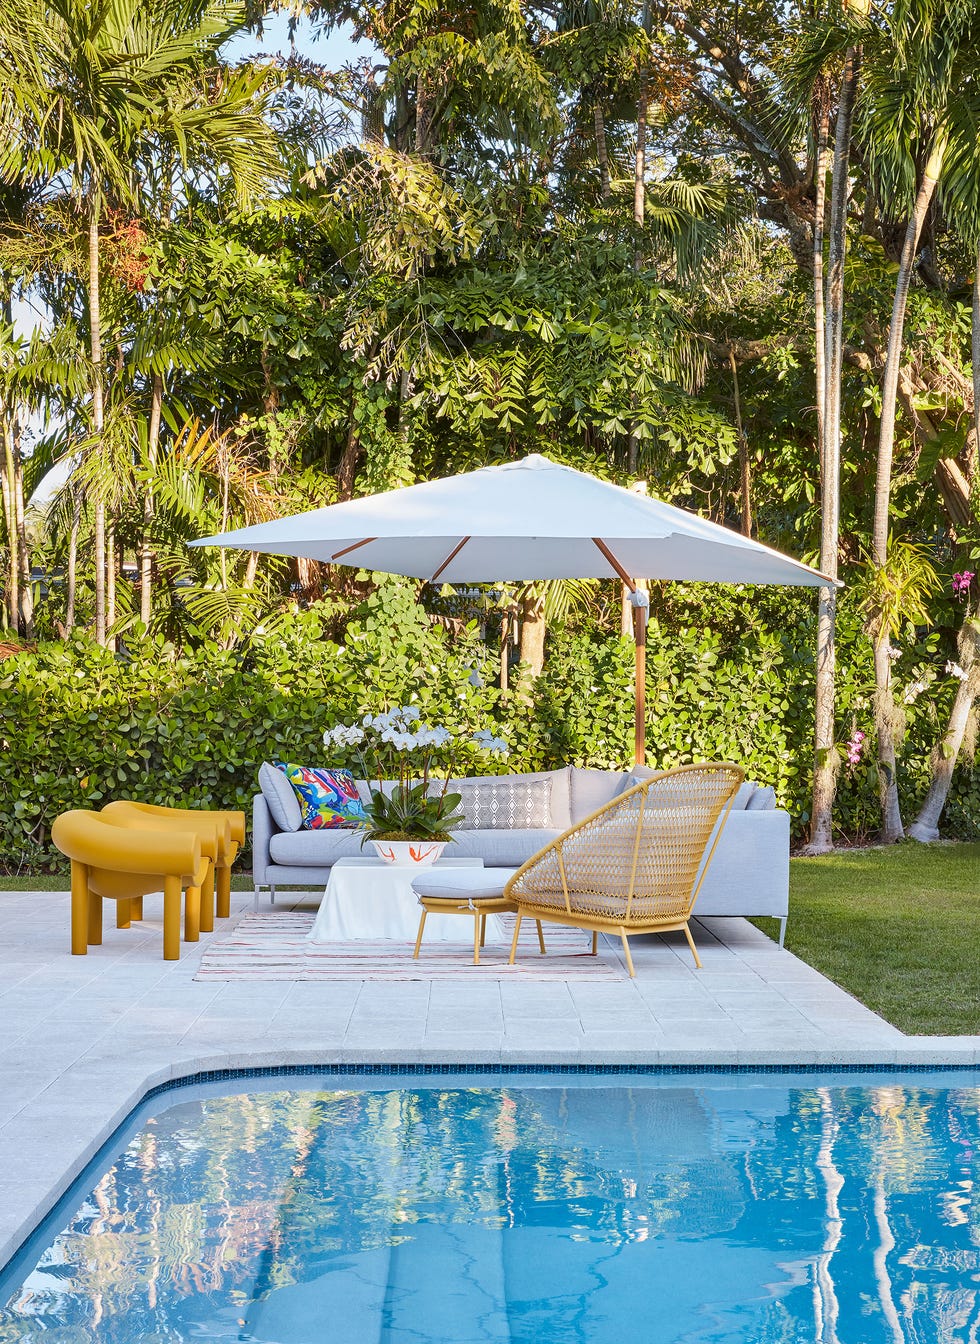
(80, 725)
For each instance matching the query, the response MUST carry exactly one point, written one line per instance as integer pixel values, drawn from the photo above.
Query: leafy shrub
(729, 678)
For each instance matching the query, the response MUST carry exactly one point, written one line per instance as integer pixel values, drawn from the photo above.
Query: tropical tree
(98, 89)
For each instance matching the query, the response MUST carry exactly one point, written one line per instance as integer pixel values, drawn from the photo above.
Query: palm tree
(828, 316)
(924, 52)
(97, 87)
(961, 201)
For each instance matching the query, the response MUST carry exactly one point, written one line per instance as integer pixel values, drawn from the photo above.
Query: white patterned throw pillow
(504, 803)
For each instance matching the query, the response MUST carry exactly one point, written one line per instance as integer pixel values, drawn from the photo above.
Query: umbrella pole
(641, 607)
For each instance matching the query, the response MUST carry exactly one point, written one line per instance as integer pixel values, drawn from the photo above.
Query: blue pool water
(538, 1209)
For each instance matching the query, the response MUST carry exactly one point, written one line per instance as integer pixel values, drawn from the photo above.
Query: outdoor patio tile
(540, 1031)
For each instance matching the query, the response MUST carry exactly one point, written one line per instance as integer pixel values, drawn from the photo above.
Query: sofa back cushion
(591, 789)
(280, 798)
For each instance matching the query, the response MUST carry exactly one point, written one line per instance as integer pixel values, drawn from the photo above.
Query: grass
(62, 882)
(898, 928)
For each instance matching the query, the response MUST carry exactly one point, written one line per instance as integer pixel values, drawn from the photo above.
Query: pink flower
(855, 747)
(961, 584)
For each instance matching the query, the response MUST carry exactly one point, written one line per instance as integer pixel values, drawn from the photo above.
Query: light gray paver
(85, 1038)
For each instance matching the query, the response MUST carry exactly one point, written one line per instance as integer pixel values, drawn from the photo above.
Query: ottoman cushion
(477, 884)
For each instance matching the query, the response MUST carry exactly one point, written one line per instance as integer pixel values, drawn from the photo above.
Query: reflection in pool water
(706, 1209)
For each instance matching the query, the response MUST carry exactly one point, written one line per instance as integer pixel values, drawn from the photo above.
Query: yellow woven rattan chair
(223, 862)
(637, 864)
(215, 835)
(122, 864)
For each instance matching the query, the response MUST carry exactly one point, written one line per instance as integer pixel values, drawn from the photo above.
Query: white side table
(367, 898)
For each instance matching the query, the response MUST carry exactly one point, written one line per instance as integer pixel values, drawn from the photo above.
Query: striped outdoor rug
(273, 947)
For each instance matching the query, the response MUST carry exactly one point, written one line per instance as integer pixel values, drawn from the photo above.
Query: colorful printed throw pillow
(328, 799)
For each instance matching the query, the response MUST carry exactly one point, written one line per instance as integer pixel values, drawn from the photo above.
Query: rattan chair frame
(634, 915)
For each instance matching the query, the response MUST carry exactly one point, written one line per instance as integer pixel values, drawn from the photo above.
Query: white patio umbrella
(526, 520)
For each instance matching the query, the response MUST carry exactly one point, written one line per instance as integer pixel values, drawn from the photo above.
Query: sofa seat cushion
(319, 849)
(316, 849)
(500, 849)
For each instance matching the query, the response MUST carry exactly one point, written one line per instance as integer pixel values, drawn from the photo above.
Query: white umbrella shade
(526, 520)
(532, 519)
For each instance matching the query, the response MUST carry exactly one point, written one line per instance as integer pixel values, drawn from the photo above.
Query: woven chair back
(642, 856)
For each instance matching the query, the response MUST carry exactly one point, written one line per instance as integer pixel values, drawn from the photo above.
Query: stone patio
(85, 1037)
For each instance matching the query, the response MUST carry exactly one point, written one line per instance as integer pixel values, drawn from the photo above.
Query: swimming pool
(708, 1208)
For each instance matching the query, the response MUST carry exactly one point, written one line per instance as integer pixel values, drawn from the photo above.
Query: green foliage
(729, 678)
(411, 812)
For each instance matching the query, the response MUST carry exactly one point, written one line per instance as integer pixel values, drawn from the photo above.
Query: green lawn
(899, 928)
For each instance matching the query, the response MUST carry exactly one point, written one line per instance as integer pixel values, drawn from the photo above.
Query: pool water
(708, 1209)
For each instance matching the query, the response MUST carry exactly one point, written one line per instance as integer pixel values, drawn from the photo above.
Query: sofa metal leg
(272, 893)
(782, 932)
(255, 898)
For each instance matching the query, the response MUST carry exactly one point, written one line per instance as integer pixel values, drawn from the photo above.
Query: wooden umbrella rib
(366, 542)
(615, 563)
(449, 559)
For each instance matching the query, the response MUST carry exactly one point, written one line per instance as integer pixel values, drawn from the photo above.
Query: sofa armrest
(749, 874)
(263, 829)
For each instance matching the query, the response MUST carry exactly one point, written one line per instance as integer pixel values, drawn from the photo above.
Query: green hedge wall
(80, 726)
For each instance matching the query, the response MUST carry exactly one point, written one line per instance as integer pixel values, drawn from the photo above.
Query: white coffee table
(367, 898)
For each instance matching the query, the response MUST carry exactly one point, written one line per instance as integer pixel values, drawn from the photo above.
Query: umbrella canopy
(521, 521)
(526, 520)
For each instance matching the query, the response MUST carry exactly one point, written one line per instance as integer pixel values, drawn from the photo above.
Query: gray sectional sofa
(749, 875)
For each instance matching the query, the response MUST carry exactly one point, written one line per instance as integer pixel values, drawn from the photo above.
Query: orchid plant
(397, 746)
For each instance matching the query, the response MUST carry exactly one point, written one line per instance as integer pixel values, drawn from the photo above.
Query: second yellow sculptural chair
(214, 833)
(227, 849)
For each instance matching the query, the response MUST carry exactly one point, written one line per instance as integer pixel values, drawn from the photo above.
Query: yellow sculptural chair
(223, 862)
(122, 864)
(637, 864)
(215, 835)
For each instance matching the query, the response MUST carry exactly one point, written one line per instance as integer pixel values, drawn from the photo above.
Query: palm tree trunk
(71, 568)
(602, 150)
(533, 629)
(10, 520)
(945, 755)
(640, 161)
(885, 715)
(639, 215)
(975, 357)
(98, 411)
(146, 547)
(25, 592)
(745, 477)
(829, 334)
(110, 580)
(926, 825)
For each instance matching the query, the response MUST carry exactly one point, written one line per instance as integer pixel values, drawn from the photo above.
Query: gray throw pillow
(504, 803)
(762, 800)
(280, 796)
